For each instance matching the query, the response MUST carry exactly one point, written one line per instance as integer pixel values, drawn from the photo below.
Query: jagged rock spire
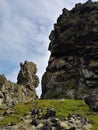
(72, 71)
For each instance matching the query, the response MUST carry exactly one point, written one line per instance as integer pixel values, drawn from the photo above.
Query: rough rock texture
(72, 122)
(72, 70)
(92, 102)
(24, 90)
(9, 92)
(28, 78)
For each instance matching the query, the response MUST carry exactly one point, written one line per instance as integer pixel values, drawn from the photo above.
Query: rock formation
(28, 78)
(72, 70)
(24, 90)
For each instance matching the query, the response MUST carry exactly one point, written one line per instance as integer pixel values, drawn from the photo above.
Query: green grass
(19, 111)
(8, 119)
(63, 109)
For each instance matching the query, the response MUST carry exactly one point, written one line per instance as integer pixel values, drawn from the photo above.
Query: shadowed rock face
(72, 70)
(92, 102)
(24, 90)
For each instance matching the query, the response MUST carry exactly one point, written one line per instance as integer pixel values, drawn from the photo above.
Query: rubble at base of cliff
(34, 121)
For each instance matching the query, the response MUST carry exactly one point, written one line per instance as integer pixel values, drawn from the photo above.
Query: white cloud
(24, 29)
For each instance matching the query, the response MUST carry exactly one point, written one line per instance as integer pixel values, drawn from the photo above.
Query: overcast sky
(25, 26)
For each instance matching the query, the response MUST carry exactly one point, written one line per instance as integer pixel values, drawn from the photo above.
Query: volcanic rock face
(24, 90)
(72, 70)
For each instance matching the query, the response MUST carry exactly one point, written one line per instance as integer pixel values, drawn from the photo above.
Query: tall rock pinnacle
(28, 78)
(72, 70)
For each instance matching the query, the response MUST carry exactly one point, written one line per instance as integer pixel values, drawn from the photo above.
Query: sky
(25, 26)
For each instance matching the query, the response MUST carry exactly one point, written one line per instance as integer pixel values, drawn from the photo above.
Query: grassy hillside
(63, 109)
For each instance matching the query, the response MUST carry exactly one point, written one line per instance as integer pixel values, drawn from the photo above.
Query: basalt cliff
(72, 70)
(24, 89)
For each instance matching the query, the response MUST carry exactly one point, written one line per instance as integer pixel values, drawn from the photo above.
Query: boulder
(50, 113)
(92, 102)
(47, 126)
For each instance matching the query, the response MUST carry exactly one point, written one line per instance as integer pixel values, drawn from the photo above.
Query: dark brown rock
(72, 71)
(47, 126)
(50, 113)
(92, 102)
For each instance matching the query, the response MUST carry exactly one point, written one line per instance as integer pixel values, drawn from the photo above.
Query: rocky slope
(72, 70)
(24, 90)
(72, 122)
(49, 115)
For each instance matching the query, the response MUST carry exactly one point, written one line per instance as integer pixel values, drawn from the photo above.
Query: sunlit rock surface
(23, 90)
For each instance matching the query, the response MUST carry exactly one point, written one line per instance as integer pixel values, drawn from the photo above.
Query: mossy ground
(62, 107)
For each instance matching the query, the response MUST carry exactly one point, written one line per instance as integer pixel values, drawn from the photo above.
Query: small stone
(92, 102)
(47, 126)
(62, 125)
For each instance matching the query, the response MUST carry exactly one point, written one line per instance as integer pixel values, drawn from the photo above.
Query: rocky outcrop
(29, 122)
(72, 70)
(24, 90)
(9, 92)
(28, 79)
